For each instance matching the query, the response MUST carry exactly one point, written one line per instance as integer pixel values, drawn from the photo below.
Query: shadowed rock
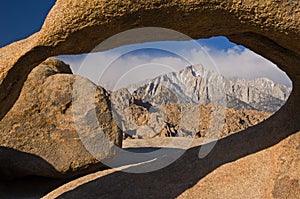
(249, 164)
(42, 123)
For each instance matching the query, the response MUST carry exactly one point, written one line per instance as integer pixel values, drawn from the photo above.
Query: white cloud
(112, 70)
(246, 64)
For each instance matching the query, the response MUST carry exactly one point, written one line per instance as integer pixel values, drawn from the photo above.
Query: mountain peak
(196, 84)
(191, 67)
(195, 70)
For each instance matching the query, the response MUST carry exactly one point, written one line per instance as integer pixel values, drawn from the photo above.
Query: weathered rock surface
(135, 118)
(40, 131)
(270, 151)
(139, 119)
(186, 123)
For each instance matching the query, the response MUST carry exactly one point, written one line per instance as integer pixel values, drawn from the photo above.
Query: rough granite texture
(262, 162)
(41, 124)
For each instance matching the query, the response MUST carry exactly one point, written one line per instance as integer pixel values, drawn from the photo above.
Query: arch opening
(140, 75)
(272, 34)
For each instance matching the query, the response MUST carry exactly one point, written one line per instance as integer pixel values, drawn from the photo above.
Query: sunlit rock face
(39, 135)
(269, 152)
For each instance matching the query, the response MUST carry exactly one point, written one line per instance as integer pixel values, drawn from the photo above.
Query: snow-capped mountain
(199, 85)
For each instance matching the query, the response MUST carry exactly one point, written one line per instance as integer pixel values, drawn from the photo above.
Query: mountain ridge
(196, 84)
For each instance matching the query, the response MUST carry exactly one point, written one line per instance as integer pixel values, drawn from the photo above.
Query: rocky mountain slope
(166, 106)
(140, 119)
(195, 84)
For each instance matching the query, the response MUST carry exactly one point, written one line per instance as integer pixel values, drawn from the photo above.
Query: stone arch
(270, 28)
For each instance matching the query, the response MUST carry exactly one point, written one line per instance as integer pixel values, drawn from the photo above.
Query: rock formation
(234, 121)
(135, 118)
(41, 123)
(258, 163)
(177, 120)
(62, 31)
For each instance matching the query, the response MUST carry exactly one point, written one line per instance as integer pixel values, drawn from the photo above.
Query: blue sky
(125, 65)
(20, 19)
